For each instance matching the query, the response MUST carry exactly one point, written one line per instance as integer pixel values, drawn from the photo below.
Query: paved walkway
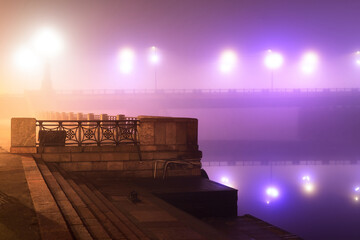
(18, 219)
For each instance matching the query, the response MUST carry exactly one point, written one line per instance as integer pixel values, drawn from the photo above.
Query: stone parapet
(166, 146)
(168, 131)
(23, 135)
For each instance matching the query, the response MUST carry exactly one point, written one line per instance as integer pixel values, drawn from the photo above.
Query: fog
(189, 36)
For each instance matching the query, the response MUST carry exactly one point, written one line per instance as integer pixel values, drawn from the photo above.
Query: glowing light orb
(272, 192)
(309, 187)
(48, 42)
(25, 59)
(227, 61)
(309, 62)
(356, 199)
(267, 202)
(273, 60)
(306, 178)
(154, 57)
(225, 180)
(357, 189)
(126, 59)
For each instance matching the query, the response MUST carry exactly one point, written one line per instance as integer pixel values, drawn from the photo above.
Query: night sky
(190, 35)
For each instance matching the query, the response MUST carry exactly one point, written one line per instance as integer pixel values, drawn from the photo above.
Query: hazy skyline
(190, 36)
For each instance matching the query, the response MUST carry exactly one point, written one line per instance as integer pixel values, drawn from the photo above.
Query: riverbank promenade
(113, 192)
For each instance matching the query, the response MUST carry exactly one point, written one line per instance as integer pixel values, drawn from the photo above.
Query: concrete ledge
(23, 149)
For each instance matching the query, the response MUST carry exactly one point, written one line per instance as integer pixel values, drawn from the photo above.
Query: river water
(314, 195)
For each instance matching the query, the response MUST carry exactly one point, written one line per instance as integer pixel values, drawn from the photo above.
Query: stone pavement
(18, 219)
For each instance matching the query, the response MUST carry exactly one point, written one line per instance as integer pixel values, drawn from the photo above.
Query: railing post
(80, 135)
(98, 127)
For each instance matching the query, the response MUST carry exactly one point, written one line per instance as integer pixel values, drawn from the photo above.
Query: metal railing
(206, 91)
(91, 132)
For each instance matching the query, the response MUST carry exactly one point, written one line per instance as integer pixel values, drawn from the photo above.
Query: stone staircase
(88, 213)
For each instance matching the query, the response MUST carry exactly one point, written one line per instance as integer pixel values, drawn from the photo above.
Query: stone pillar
(64, 116)
(57, 116)
(120, 117)
(90, 116)
(72, 116)
(23, 135)
(52, 116)
(104, 117)
(80, 116)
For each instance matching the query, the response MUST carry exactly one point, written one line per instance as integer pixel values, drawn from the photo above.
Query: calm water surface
(314, 197)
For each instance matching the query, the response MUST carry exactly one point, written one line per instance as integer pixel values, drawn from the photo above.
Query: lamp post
(47, 43)
(273, 61)
(154, 60)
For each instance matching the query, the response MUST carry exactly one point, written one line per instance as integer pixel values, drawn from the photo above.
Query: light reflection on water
(313, 199)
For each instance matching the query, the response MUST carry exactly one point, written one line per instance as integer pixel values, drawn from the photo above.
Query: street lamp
(126, 59)
(154, 60)
(227, 61)
(309, 62)
(25, 59)
(357, 58)
(273, 61)
(47, 43)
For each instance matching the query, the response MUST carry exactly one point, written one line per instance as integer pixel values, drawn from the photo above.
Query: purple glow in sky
(190, 35)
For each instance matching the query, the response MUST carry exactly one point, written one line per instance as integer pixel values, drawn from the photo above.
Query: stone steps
(72, 218)
(89, 213)
(92, 211)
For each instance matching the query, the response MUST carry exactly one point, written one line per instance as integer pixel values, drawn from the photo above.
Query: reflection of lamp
(308, 185)
(273, 61)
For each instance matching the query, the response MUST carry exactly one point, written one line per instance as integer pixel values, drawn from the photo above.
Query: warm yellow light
(25, 59)
(48, 42)
(309, 187)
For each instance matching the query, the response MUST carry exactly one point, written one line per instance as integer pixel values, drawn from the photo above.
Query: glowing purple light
(272, 192)
(357, 189)
(309, 62)
(273, 60)
(357, 58)
(126, 59)
(225, 180)
(306, 178)
(154, 57)
(227, 61)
